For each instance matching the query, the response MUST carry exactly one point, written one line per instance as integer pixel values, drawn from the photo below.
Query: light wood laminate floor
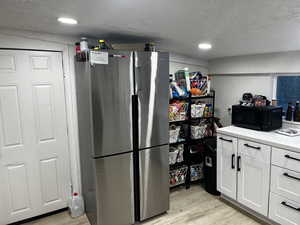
(188, 207)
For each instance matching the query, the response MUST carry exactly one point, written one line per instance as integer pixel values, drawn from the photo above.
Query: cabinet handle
(223, 139)
(232, 161)
(287, 175)
(290, 157)
(238, 163)
(250, 146)
(289, 206)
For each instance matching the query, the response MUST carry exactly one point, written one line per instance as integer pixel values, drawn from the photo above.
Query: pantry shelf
(176, 166)
(178, 143)
(201, 118)
(179, 98)
(179, 121)
(202, 97)
(190, 170)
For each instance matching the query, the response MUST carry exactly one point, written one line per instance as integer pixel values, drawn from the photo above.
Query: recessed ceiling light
(204, 46)
(66, 20)
(186, 68)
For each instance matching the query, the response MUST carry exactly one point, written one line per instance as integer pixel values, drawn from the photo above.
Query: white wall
(230, 88)
(233, 76)
(179, 62)
(284, 62)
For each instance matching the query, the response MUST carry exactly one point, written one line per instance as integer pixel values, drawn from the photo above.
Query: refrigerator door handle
(135, 125)
(135, 141)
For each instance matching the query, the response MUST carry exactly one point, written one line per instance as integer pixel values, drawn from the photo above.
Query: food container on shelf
(173, 156)
(178, 111)
(179, 158)
(196, 172)
(176, 154)
(198, 84)
(174, 134)
(197, 110)
(178, 176)
(198, 131)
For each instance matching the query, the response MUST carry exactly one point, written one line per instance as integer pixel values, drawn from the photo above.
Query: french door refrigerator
(123, 136)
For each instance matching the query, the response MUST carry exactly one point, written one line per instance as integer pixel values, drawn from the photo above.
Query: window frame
(275, 78)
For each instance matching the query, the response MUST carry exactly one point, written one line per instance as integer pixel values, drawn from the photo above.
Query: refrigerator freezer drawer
(154, 181)
(115, 201)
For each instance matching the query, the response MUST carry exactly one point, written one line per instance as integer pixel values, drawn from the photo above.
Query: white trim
(17, 39)
(274, 95)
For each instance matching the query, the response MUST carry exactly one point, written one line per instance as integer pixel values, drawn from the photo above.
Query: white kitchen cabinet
(286, 159)
(243, 169)
(265, 174)
(226, 165)
(286, 183)
(253, 168)
(284, 211)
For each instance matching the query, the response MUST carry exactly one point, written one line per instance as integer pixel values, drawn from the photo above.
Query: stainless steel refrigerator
(123, 136)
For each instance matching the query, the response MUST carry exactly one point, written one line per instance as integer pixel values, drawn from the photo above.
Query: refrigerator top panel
(152, 88)
(112, 90)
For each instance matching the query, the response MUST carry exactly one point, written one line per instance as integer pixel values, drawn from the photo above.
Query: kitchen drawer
(284, 211)
(260, 152)
(286, 183)
(286, 159)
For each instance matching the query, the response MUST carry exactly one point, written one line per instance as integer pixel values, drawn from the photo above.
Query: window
(287, 90)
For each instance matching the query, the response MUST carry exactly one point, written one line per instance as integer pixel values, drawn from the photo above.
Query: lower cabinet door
(226, 165)
(254, 176)
(283, 211)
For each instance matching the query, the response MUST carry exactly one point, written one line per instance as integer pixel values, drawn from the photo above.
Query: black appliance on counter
(264, 118)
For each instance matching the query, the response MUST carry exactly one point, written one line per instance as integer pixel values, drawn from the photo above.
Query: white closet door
(34, 166)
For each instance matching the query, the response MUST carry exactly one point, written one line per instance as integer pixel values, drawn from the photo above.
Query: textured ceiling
(234, 27)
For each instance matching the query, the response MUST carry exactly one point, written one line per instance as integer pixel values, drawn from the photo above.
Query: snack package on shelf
(178, 176)
(174, 134)
(196, 172)
(208, 110)
(176, 154)
(198, 84)
(179, 86)
(177, 133)
(197, 109)
(178, 111)
(180, 158)
(177, 91)
(173, 156)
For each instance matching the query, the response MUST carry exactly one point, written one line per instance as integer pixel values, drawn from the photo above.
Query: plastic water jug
(76, 205)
